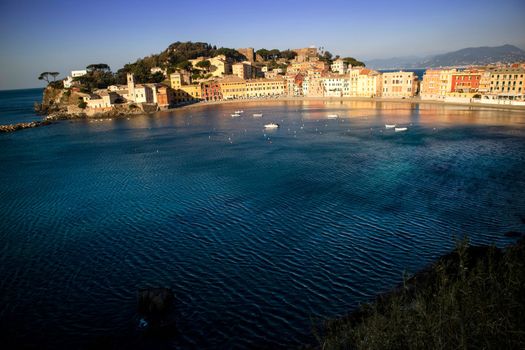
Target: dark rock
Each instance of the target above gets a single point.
(155, 311)
(514, 234)
(154, 301)
(20, 126)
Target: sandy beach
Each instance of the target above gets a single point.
(376, 100)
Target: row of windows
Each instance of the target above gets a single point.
(503, 89)
(510, 76)
(396, 81)
(468, 77)
(503, 83)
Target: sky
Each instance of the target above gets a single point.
(53, 35)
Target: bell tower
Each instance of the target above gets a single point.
(131, 87)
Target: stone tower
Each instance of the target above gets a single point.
(131, 87)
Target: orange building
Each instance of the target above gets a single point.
(430, 84)
(165, 97)
(466, 81)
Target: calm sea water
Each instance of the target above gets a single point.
(259, 233)
(16, 106)
(418, 72)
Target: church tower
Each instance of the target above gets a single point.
(131, 87)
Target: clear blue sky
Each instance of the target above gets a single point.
(54, 35)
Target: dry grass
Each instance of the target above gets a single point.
(472, 298)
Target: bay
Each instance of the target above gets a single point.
(260, 233)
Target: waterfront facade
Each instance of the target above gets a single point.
(265, 88)
(399, 84)
(233, 87)
(430, 86)
(508, 82)
(466, 81)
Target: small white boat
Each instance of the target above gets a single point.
(332, 116)
(271, 126)
(234, 115)
(390, 126)
(239, 112)
(257, 115)
(400, 129)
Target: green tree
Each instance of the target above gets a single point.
(184, 65)
(44, 76)
(265, 54)
(204, 65)
(54, 75)
(157, 77)
(288, 54)
(353, 62)
(98, 67)
(231, 54)
(327, 57)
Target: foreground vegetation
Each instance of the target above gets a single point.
(472, 298)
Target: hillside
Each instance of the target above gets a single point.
(464, 57)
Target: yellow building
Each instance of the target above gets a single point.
(484, 82)
(242, 69)
(187, 93)
(232, 87)
(369, 83)
(362, 82)
(508, 82)
(445, 82)
(175, 80)
(220, 66)
(265, 87)
(399, 84)
(195, 91)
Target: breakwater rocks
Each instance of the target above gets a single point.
(20, 126)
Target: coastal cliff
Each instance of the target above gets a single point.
(54, 99)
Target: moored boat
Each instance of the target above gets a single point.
(257, 115)
(271, 126)
(234, 115)
(332, 116)
(400, 129)
(390, 126)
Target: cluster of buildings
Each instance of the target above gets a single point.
(309, 76)
(497, 84)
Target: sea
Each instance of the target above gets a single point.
(418, 72)
(261, 234)
(17, 106)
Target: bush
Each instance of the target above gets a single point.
(472, 298)
(82, 104)
(59, 84)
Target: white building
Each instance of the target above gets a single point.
(68, 82)
(339, 66)
(101, 99)
(334, 85)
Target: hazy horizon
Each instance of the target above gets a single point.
(62, 36)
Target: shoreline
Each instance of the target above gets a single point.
(54, 117)
(416, 100)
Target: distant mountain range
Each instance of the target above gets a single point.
(464, 57)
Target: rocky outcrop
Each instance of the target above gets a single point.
(20, 126)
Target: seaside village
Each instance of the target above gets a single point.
(307, 75)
